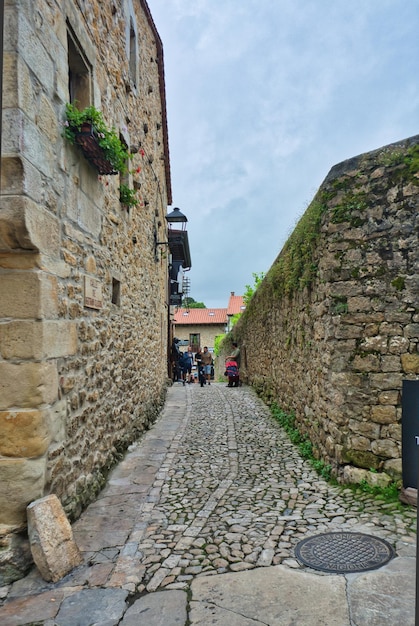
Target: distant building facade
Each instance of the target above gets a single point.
(235, 307)
(201, 326)
(84, 287)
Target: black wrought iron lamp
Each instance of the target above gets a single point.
(177, 217)
(174, 217)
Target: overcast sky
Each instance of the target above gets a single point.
(263, 98)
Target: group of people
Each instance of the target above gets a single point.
(183, 363)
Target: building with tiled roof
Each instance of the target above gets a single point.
(199, 327)
(235, 305)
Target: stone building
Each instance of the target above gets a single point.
(332, 332)
(84, 303)
(199, 326)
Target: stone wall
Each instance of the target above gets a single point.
(80, 378)
(334, 328)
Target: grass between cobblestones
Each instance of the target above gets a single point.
(389, 494)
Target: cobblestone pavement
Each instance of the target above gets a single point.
(214, 487)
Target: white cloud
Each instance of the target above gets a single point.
(264, 97)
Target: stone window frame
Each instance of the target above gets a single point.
(116, 291)
(132, 47)
(196, 337)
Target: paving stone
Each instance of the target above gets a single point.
(164, 608)
(93, 606)
(273, 596)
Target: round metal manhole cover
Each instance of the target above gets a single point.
(343, 553)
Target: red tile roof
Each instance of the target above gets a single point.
(200, 316)
(235, 305)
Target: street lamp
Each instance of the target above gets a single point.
(176, 217)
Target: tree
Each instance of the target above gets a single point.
(190, 303)
(249, 289)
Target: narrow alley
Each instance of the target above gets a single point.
(199, 522)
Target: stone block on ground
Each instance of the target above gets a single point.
(51, 539)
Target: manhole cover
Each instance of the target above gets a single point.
(343, 553)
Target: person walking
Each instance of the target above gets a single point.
(207, 362)
(198, 357)
(183, 366)
(175, 358)
(189, 363)
(199, 366)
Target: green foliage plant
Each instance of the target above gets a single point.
(389, 494)
(114, 150)
(235, 318)
(340, 305)
(250, 289)
(217, 344)
(295, 268)
(350, 203)
(399, 283)
(127, 196)
(411, 161)
(391, 158)
(305, 447)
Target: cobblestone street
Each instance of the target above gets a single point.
(214, 487)
(239, 496)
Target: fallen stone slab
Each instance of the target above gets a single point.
(93, 606)
(272, 596)
(163, 608)
(53, 548)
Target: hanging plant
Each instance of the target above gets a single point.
(127, 196)
(101, 145)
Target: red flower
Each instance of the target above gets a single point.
(138, 170)
(142, 152)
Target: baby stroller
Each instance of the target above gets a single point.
(232, 373)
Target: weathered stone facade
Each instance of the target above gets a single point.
(334, 328)
(83, 289)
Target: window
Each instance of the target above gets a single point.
(116, 292)
(133, 53)
(79, 72)
(194, 341)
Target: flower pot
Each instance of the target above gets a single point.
(88, 141)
